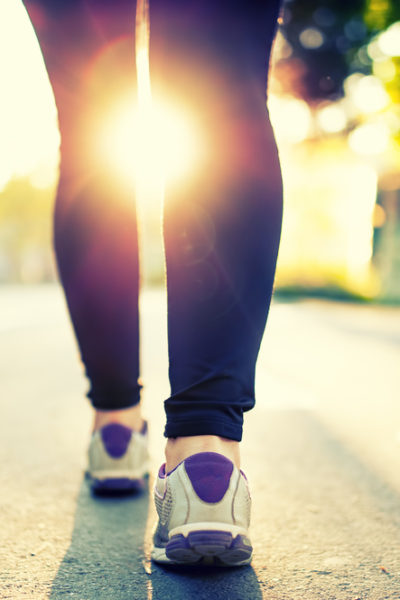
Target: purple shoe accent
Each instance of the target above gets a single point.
(242, 543)
(246, 482)
(201, 547)
(116, 438)
(177, 542)
(210, 474)
(161, 473)
(214, 539)
(175, 468)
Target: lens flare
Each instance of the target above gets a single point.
(151, 143)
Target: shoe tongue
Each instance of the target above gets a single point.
(116, 438)
(210, 474)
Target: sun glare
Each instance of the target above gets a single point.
(151, 143)
(148, 142)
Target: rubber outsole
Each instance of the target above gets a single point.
(209, 548)
(115, 484)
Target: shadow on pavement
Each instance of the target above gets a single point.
(105, 558)
(201, 584)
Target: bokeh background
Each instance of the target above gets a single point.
(334, 100)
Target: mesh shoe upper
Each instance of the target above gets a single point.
(205, 493)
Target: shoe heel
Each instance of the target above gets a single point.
(210, 547)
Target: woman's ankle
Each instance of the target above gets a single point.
(180, 448)
(131, 417)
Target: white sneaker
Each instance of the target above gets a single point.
(118, 458)
(203, 507)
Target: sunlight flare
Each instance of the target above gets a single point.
(150, 142)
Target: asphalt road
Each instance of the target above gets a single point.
(321, 450)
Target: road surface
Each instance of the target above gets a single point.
(321, 450)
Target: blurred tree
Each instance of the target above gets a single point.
(25, 232)
(379, 14)
(324, 36)
(326, 41)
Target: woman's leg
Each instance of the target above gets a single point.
(222, 226)
(88, 46)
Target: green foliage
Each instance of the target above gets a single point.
(379, 14)
(25, 232)
(393, 86)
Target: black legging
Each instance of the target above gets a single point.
(221, 228)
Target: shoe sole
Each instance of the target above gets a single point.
(207, 548)
(116, 483)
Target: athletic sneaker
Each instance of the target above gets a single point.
(118, 458)
(203, 507)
